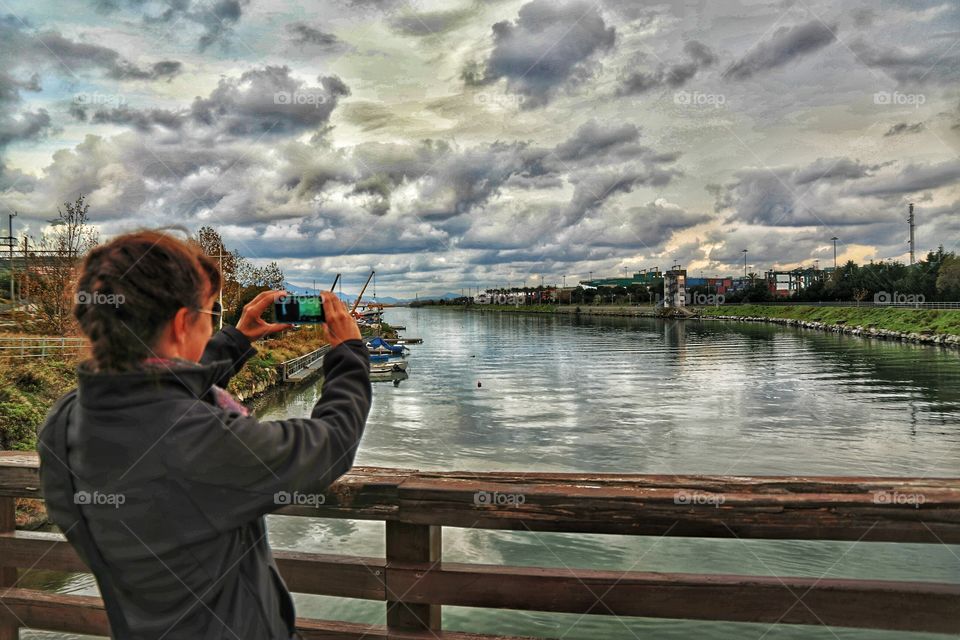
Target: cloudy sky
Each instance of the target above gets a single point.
(486, 142)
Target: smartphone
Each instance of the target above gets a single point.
(299, 309)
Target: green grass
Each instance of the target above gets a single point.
(939, 321)
(28, 389)
(526, 308)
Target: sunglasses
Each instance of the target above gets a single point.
(214, 313)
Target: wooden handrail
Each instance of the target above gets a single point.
(415, 583)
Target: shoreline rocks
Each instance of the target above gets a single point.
(941, 339)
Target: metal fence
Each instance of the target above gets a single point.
(290, 368)
(27, 347)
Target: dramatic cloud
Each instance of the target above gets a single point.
(548, 46)
(839, 192)
(902, 128)
(305, 35)
(419, 140)
(268, 101)
(700, 57)
(927, 65)
(261, 102)
(430, 23)
(27, 47)
(215, 18)
(785, 45)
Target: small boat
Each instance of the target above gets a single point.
(380, 346)
(393, 341)
(388, 367)
(391, 376)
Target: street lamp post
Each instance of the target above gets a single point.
(834, 238)
(10, 218)
(744, 264)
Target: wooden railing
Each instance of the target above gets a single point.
(414, 582)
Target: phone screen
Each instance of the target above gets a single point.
(299, 309)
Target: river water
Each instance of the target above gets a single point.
(493, 391)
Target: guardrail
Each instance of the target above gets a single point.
(414, 582)
(290, 369)
(39, 347)
(854, 304)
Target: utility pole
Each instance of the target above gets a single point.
(744, 264)
(910, 220)
(834, 238)
(25, 284)
(220, 297)
(13, 215)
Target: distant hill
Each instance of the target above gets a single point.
(294, 288)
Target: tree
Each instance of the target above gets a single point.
(948, 280)
(62, 247)
(231, 264)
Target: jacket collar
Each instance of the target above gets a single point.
(104, 389)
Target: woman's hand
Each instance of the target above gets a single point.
(252, 325)
(339, 325)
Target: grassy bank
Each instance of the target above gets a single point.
(30, 386)
(932, 321)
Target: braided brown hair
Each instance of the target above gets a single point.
(130, 287)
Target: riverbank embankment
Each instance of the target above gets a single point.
(920, 326)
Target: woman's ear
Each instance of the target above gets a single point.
(180, 325)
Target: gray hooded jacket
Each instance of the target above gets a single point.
(166, 491)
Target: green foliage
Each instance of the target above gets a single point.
(937, 321)
(948, 278)
(27, 391)
(923, 278)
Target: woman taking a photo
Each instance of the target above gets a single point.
(157, 476)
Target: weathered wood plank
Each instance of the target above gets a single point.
(8, 570)
(320, 574)
(85, 614)
(905, 510)
(913, 606)
(408, 543)
(788, 507)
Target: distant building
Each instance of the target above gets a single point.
(719, 286)
(645, 277)
(675, 288)
(784, 284)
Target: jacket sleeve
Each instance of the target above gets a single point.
(228, 349)
(235, 468)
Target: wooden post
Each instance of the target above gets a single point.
(419, 545)
(9, 627)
